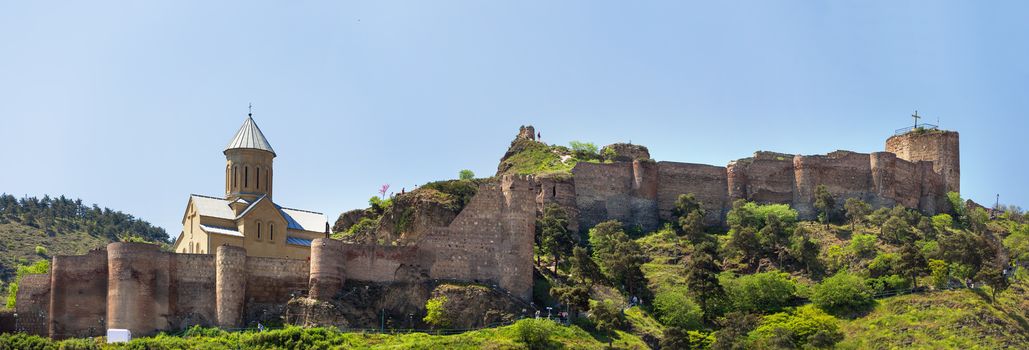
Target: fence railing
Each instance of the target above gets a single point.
(920, 126)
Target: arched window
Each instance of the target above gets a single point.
(271, 231)
(246, 177)
(258, 230)
(267, 178)
(257, 178)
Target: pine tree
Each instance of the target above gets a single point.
(824, 204)
(555, 237)
(912, 262)
(702, 280)
(856, 210)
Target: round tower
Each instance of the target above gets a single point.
(248, 166)
(937, 146)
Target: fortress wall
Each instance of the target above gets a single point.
(272, 280)
(845, 174)
(560, 191)
(491, 240)
(138, 288)
(78, 300)
(230, 285)
(326, 268)
(192, 290)
(375, 263)
(707, 183)
(32, 304)
(940, 147)
(606, 192)
(767, 177)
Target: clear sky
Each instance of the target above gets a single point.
(130, 104)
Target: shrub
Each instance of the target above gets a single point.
(675, 309)
(78, 344)
(862, 245)
(939, 273)
(41, 250)
(23, 341)
(889, 283)
(804, 327)
(436, 313)
(40, 267)
(465, 174)
(535, 333)
(750, 214)
(842, 294)
(762, 292)
(606, 315)
(883, 264)
(584, 150)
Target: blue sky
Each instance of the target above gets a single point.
(130, 104)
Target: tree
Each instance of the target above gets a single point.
(675, 309)
(774, 239)
(761, 292)
(842, 294)
(535, 333)
(896, 230)
(692, 226)
(802, 328)
(856, 210)
(702, 280)
(436, 313)
(575, 297)
(618, 256)
(686, 204)
(465, 174)
(584, 150)
(912, 263)
(733, 332)
(992, 271)
(744, 242)
(675, 338)
(555, 238)
(607, 316)
(939, 273)
(584, 268)
(825, 205)
(804, 250)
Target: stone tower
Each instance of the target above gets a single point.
(937, 146)
(248, 168)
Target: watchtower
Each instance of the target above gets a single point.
(927, 142)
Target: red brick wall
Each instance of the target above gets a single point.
(78, 301)
(32, 304)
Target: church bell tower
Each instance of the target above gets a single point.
(248, 166)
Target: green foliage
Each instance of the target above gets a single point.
(554, 236)
(702, 280)
(803, 327)
(535, 333)
(40, 267)
(857, 210)
(461, 191)
(896, 230)
(619, 257)
(1017, 242)
(889, 283)
(41, 250)
(675, 309)
(912, 263)
(583, 267)
(842, 294)
(939, 273)
(883, 265)
(750, 214)
(24, 341)
(862, 245)
(957, 207)
(686, 204)
(584, 150)
(942, 222)
(528, 157)
(436, 313)
(576, 297)
(465, 174)
(837, 258)
(606, 316)
(379, 205)
(825, 205)
(761, 292)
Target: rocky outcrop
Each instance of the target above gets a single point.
(349, 218)
(413, 213)
(624, 152)
(474, 306)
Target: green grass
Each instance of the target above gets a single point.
(531, 157)
(667, 253)
(561, 337)
(960, 319)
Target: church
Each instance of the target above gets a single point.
(246, 216)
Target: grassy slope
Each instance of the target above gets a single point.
(18, 245)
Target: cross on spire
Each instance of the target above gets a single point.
(250, 110)
(916, 116)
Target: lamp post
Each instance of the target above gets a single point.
(548, 312)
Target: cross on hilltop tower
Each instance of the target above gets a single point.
(916, 118)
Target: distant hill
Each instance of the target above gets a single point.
(32, 229)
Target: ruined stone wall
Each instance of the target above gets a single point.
(273, 280)
(559, 190)
(78, 299)
(707, 183)
(937, 146)
(383, 264)
(612, 191)
(767, 177)
(845, 174)
(491, 240)
(32, 304)
(190, 297)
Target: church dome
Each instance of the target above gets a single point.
(250, 136)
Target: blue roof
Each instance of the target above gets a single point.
(298, 241)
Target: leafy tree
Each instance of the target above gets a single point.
(802, 328)
(750, 214)
(436, 313)
(884, 264)
(584, 150)
(912, 263)
(535, 333)
(992, 271)
(607, 316)
(878, 217)
(842, 294)
(743, 241)
(575, 297)
(957, 207)
(675, 338)
(555, 238)
(692, 226)
(686, 204)
(466, 174)
(856, 210)
(604, 237)
(942, 222)
(977, 220)
(825, 205)
(618, 256)
(734, 327)
(702, 280)
(761, 292)
(773, 239)
(584, 268)
(675, 309)
(939, 273)
(804, 250)
(896, 230)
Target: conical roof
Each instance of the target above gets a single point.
(250, 136)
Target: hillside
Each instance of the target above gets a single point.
(33, 229)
